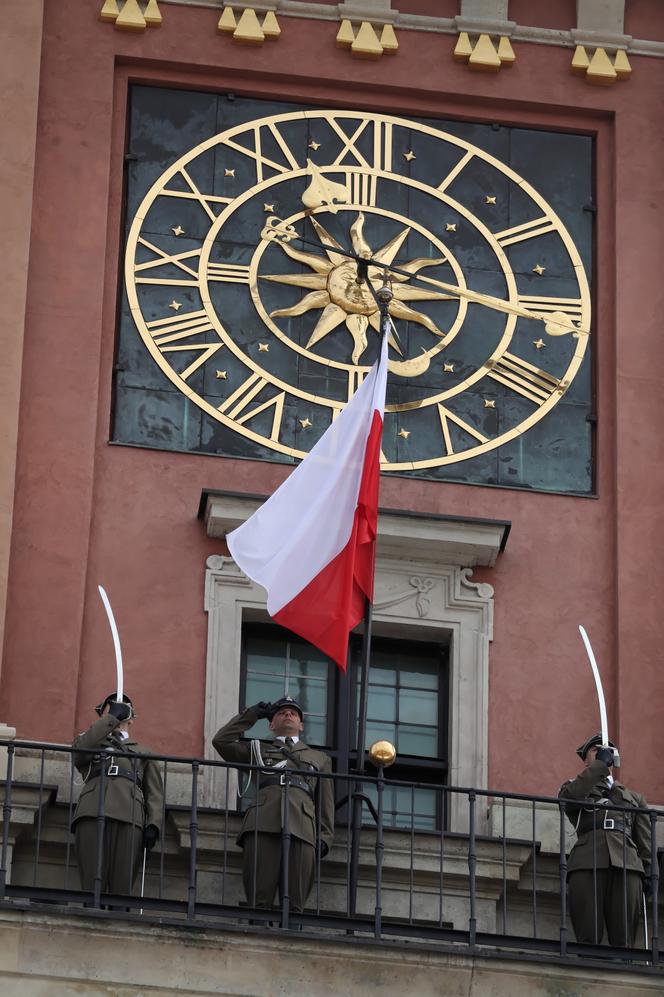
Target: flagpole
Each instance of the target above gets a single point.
(383, 297)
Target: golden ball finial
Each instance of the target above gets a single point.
(382, 753)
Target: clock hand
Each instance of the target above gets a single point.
(555, 323)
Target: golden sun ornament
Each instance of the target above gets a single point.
(334, 287)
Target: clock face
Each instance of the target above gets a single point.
(239, 285)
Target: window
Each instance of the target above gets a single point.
(407, 705)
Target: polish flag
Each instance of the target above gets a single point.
(312, 544)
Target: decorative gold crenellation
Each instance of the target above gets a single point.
(580, 61)
(345, 35)
(270, 26)
(484, 54)
(364, 41)
(366, 44)
(110, 11)
(152, 14)
(601, 71)
(246, 27)
(249, 30)
(484, 58)
(506, 53)
(621, 65)
(388, 40)
(131, 17)
(463, 48)
(227, 21)
(598, 68)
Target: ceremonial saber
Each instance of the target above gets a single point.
(116, 642)
(598, 685)
(604, 726)
(145, 855)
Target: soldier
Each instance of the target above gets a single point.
(133, 799)
(261, 832)
(611, 855)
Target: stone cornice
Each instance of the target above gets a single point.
(359, 9)
(459, 541)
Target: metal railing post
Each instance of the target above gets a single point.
(563, 883)
(654, 879)
(534, 843)
(380, 850)
(6, 817)
(472, 868)
(193, 842)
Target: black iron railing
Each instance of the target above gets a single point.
(469, 884)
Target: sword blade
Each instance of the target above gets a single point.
(598, 685)
(116, 643)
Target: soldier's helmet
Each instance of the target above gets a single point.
(592, 742)
(112, 698)
(283, 702)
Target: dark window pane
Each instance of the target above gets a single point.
(380, 732)
(382, 704)
(263, 687)
(311, 697)
(422, 741)
(418, 707)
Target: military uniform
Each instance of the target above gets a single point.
(261, 832)
(133, 800)
(611, 855)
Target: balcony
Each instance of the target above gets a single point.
(489, 901)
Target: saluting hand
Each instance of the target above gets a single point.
(605, 755)
(262, 710)
(121, 711)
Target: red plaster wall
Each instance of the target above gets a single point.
(643, 19)
(90, 512)
(560, 14)
(429, 8)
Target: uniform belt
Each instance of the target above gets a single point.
(604, 824)
(115, 772)
(280, 780)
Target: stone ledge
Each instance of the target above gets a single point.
(458, 541)
(40, 951)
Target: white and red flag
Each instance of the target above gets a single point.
(312, 545)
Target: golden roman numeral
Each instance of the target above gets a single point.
(446, 416)
(381, 155)
(261, 160)
(167, 259)
(236, 403)
(175, 329)
(362, 188)
(527, 230)
(230, 273)
(455, 171)
(355, 378)
(520, 376)
(571, 307)
(194, 194)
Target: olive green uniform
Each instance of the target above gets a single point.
(133, 798)
(611, 855)
(261, 832)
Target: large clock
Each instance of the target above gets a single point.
(240, 288)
